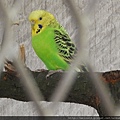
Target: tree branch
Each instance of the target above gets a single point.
(82, 92)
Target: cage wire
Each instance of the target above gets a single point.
(80, 24)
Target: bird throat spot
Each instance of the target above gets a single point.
(39, 28)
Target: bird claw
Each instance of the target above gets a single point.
(51, 72)
(41, 70)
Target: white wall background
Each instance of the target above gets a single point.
(103, 39)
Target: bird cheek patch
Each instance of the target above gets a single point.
(40, 26)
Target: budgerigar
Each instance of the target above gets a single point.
(50, 41)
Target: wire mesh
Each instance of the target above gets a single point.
(65, 85)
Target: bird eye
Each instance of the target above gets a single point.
(40, 18)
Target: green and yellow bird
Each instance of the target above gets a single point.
(50, 41)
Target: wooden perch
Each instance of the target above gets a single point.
(82, 92)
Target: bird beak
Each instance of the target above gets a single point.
(32, 22)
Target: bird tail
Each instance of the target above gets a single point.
(81, 68)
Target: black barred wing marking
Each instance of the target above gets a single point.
(66, 48)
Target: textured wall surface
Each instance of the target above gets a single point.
(104, 36)
(17, 108)
(103, 33)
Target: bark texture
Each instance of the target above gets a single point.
(82, 92)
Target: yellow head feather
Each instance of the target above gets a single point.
(39, 20)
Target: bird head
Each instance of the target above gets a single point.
(39, 20)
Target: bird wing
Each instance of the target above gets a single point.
(66, 48)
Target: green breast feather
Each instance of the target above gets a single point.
(54, 48)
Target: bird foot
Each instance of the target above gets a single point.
(41, 70)
(51, 72)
